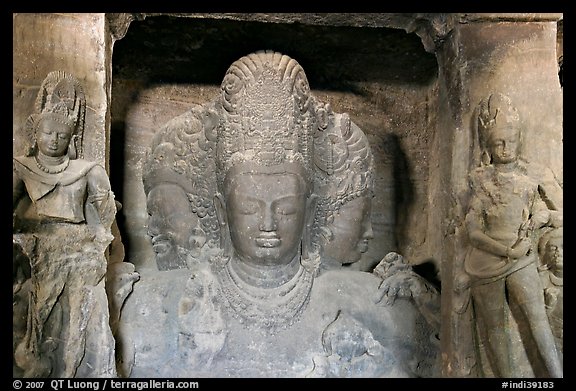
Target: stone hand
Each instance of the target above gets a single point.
(520, 248)
(396, 286)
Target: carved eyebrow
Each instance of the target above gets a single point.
(285, 199)
(288, 198)
(252, 199)
(52, 131)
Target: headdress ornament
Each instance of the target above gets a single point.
(268, 114)
(61, 98)
(496, 109)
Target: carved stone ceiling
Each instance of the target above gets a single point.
(169, 49)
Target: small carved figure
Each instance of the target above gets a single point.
(505, 211)
(551, 250)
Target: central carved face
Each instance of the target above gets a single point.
(351, 229)
(53, 137)
(504, 144)
(266, 214)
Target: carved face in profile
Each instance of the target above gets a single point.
(170, 223)
(265, 213)
(504, 144)
(351, 230)
(53, 137)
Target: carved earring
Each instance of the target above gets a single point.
(225, 239)
(311, 204)
(310, 253)
(72, 150)
(485, 158)
(32, 149)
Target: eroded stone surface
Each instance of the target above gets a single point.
(417, 110)
(506, 213)
(64, 208)
(250, 289)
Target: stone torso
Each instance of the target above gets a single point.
(506, 200)
(385, 338)
(58, 197)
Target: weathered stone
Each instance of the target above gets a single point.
(64, 208)
(411, 82)
(506, 211)
(268, 154)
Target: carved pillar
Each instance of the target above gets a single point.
(515, 54)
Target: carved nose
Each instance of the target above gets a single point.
(267, 221)
(153, 225)
(368, 233)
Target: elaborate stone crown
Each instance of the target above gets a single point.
(345, 162)
(268, 113)
(496, 109)
(61, 98)
(59, 113)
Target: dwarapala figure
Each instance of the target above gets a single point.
(63, 210)
(506, 211)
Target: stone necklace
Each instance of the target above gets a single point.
(52, 170)
(269, 309)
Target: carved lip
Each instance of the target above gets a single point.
(363, 246)
(161, 243)
(161, 248)
(159, 238)
(268, 242)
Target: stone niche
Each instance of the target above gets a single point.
(411, 82)
(382, 77)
